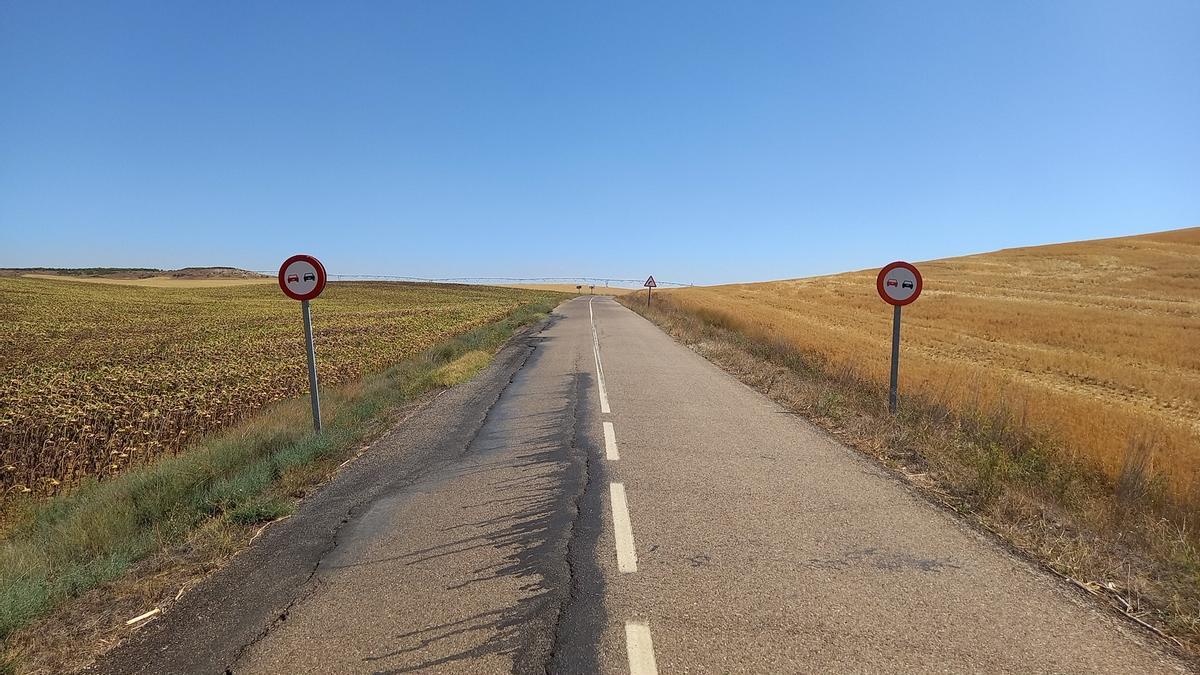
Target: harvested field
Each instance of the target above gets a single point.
(95, 378)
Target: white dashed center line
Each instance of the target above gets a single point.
(623, 530)
(599, 366)
(638, 644)
(610, 442)
(640, 648)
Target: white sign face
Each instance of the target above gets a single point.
(301, 277)
(900, 284)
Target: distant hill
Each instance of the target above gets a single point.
(216, 272)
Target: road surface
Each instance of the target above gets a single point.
(602, 499)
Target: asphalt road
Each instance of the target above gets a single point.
(601, 499)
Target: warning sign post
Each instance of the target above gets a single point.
(650, 283)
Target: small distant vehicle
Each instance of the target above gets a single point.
(891, 282)
(906, 284)
(309, 276)
(293, 279)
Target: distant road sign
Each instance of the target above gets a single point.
(899, 283)
(651, 283)
(302, 277)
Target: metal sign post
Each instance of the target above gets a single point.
(312, 366)
(650, 283)
(898, 284)
(893, 389)
(302, 277)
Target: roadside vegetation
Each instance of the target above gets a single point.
(96, 379)
(186, 512)
(1050, 394)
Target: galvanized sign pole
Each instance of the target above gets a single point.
(898, 284)
(312, 366)
(893, 389)
(302, 277)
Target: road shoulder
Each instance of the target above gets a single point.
(207, 627)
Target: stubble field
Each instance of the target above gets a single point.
(95, 378)
(1095, 344)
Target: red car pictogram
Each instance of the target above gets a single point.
(293, 278)
(891, 282)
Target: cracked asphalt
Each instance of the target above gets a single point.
(478, 536)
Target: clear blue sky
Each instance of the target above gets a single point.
(696, 141)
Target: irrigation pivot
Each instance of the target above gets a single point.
(899, 284)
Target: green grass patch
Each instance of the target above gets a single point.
(463, 368)
(64, 546)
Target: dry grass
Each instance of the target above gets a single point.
(1093, 343)
(1115, 541)
(1057, 412)
(97, 378)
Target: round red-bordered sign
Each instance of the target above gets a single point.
(899, 283)
(302, 277)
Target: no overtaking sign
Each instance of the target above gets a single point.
(899, 284)
(302, 277)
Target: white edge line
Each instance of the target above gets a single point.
(640, 648)
(622, 529)
(599, 366)
(610, 442)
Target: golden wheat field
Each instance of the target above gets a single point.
(97, 377)
(1095, 343)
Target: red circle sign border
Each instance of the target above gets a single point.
(883, 274)
(320, 277)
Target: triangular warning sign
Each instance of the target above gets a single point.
(651, 283)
